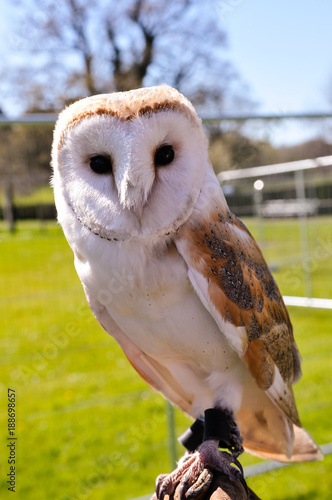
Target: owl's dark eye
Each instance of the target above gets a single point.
(101, 164)
(164, 156)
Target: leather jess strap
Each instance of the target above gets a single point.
(217, 424)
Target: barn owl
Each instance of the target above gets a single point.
(175, 277)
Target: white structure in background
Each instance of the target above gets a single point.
(290, 208)
(300, 207)
(278, 168)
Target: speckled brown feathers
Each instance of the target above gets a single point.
(244, 292)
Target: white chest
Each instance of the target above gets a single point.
(149, 296)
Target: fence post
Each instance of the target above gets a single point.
(304, 235)
(171, 434)
(258, 202)
(8, 208)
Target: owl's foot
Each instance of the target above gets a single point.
(195, 471)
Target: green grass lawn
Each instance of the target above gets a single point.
(40, 195)
(87, 426)
(43, 194)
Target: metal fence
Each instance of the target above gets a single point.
(300, 190)
(289, 189)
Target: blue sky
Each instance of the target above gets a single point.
(282, 50)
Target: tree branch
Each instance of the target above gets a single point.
(79, 23)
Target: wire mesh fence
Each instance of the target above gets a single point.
(298, 193)
(53, 353)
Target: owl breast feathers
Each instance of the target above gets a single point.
(169, 271)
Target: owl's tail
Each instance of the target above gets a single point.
(268, 433)
(304, 449)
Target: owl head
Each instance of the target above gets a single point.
(128, 164)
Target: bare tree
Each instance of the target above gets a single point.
(68, 49)
(84, 47)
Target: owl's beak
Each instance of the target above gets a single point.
(132, 194)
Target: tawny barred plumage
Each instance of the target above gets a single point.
(197, 311)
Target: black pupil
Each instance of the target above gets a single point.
(163, 156)
(101, 164)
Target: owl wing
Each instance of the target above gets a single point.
(155, 375)
(229, 274)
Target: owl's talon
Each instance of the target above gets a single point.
(200, 486)
(159, 481)
(167, 485)
(195, 472)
